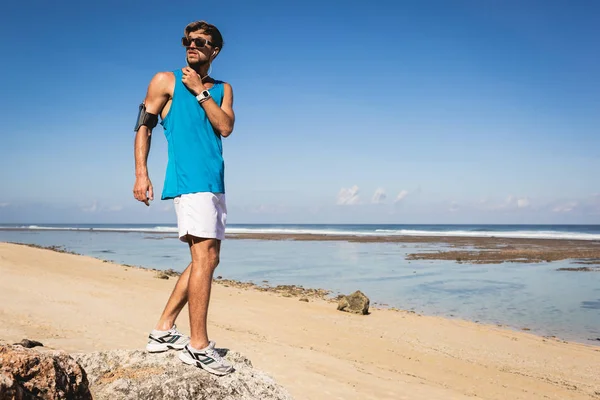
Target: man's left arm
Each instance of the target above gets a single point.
(221, 118)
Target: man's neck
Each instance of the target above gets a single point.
(201, 70)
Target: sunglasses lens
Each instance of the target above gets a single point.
(199, 42)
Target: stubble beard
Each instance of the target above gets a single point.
(196, 64)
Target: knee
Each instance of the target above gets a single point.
(205, 256)
(213, 259)
(209, 260)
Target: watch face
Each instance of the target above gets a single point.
(205, 93)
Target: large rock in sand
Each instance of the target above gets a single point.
(31, 374)
(126, 374)
(356, 303)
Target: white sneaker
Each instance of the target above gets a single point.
(164, 340)
(207, 358)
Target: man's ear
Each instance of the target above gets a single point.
(216, 52)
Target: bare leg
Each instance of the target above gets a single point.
(205, 258)
(176, 301)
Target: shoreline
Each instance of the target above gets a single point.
(289, 290)
(367, 236)
(476, 250)
(322, 294)
(80, 303)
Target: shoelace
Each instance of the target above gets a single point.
(174, 331)
(213, 353)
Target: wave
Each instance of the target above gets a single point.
(298, 231)
(501, 234)
(155, 229)
(475, 233)
(414, 232)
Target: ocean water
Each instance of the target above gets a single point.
(533, 296)
(579, 232)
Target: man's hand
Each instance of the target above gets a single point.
(142, 190)
(192, 81)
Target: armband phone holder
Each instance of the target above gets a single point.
(145, 118)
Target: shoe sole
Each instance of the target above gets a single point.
(160, 347)
(190, 361)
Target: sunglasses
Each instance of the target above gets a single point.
(199, 42)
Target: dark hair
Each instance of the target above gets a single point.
(208, 29)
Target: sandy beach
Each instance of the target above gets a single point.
(78, 303)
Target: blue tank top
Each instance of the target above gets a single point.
(195, 162)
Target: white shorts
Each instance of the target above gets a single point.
(202, 214)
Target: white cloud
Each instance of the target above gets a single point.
(261, 209)
(401, 196)
(566, 207)
(379, 196)
(115, 208)
(510, 203)
(348, 196)
(453, 207)
(92, 208)
(523, 203)
(4, 205)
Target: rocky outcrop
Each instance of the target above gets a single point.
(126, 374)
(42, 374)
(356, 303)
(31, 374)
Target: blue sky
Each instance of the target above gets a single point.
(462, 111)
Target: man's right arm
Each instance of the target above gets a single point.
(156, 98)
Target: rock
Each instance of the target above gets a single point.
(304, 299)
(28, 343)
(134, 374)
(161, 275)
(34, 374)
(357, 303)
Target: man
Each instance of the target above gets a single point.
(196, 112)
